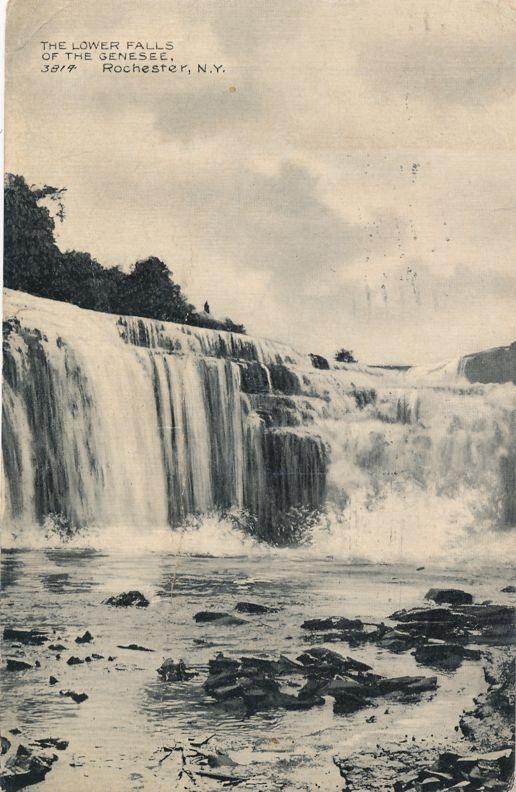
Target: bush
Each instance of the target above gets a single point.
(345, 356)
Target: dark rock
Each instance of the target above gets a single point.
(74, 661)
(419, 569)
(134, 647)
(220, 617)
(53, 742)
(31, 637)
(56, 647)
(171, 671)
(97, 656)
(15, 731)
(4, 745)
(37, 664)
(77, 697)
(332, 623)
(222, 664)
(324, 662)
(448, 656)
(509, 590)
(405, 684)
(25, 768)
(128, 599)
(449, 596)
(52, 680)
(253, 607)
(86, 638)
(347, 702)
(423, 615)
(318, 361)
(17, 665)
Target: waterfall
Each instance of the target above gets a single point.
(125, 422)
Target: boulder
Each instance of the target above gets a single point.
(25, 768)
(33, 637)
(318, 361)
(346, 702)
(423, 615)
(509, 590)
(447, 656)
(4, 745)
(77, 697)
(220, 617)
(449, 596)
(170, 671)
(332, 623)
(86, 638)
(16, 665)
(56, 647)
(52, 680)
(134, 647)
(53, 742)
(128, 599)
(74, 661)
(253, 608)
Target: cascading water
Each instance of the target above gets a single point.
(118, 422)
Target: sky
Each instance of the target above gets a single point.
(347, 179)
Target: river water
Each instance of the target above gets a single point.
(116, 735)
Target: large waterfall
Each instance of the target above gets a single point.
(123, 422)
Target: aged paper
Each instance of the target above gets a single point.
(259, 436)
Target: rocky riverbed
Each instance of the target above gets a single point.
(261, 676)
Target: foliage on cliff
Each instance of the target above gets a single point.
(34, 263)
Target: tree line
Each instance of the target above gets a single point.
(33, 263)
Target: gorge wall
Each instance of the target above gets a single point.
(120, 421)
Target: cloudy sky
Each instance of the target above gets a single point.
(347, 179)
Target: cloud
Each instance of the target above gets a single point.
(473, 73)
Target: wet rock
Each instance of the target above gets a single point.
(449, 596)
(4, 745)
(16, 665)
(493, 712)
(86, 638)
(332, 623)
(77, 697)
(74, 661)
(25, 768)
(32, 637)
(170, 671)
(52, 680)
(133, 647)
(324, 662)
(509, 590)
(347, 702)
(221, 617)
(423, 615)
(220, 664)
(253, 607)
(128, 599)
(53, 742)
(447, 656)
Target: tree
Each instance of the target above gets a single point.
(345, 356)
(150, 291)
(31, 255)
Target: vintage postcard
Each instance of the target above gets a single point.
(259, 405)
